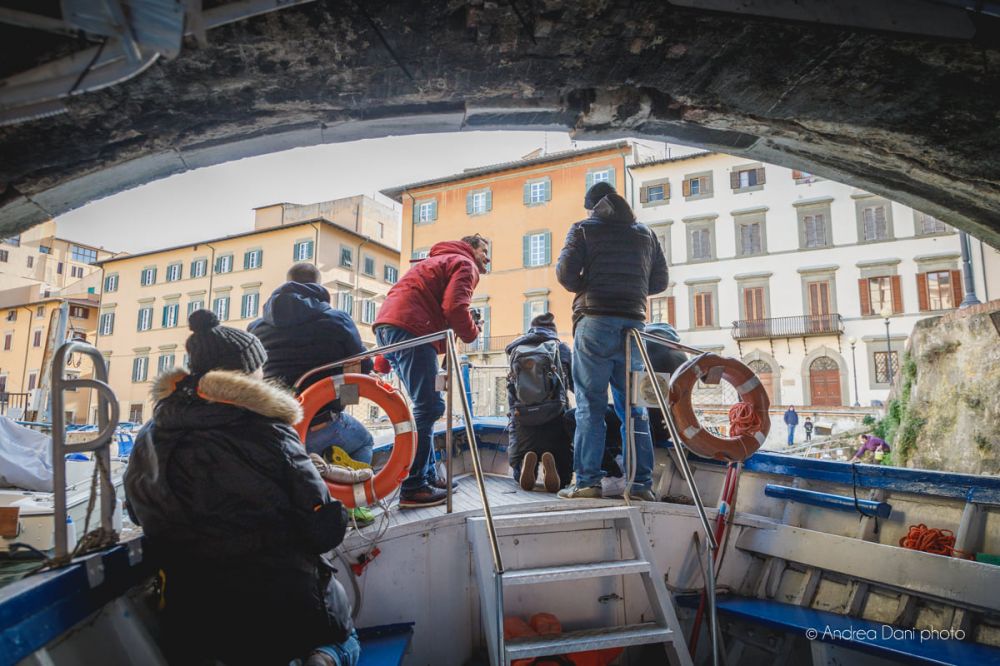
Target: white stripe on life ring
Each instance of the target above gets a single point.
(759, 436)
(691, 431)
(360, 499)
(403, 427)
(748, 386)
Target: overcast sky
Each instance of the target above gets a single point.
(218, 200)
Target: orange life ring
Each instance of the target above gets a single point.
(710, 368)
(397, 468)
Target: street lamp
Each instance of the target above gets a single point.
(886, 313)
(854, 364)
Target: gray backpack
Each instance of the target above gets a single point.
(539, 386)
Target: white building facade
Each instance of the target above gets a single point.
(797, 275)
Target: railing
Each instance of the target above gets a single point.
(788, 327)
(10, 401)
(487, 344)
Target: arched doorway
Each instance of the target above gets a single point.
(824, 382)
(766, 376)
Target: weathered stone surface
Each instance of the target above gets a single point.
(913, 118)
(954, 405)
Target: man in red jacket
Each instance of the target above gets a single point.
(433, 296)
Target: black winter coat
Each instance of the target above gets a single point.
(238, 518)
(301, 330)
(612, 263)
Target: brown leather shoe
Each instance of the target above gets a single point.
(550, 475)
(529, 471)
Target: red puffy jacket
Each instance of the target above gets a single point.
(435, 294)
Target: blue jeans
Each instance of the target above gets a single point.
(599, 360)
(791, 435)
(345, 431)
(417, 367)
(347, 653)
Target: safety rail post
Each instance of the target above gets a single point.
(449, 425)
(682, 462)
(107, 420)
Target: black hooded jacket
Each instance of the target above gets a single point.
(238, 518)
(611, 262)
(301, 330)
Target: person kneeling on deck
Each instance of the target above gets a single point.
(612, 263)
(300, 330)
(431, 297)
(541, 368)
(236, 513)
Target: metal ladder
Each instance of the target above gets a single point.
(666, 628)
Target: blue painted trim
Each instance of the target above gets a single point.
(385, 645)
(38, 609)
(827, 500)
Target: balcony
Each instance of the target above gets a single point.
(788, 327)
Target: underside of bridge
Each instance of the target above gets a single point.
(899, 112)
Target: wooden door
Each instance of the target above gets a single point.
(763, 371)
(824, 382)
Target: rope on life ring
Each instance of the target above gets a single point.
(750, 423)
(397, 468)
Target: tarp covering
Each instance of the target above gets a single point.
(25, 457)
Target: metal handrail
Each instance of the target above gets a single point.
(682, 462)
(107, 420)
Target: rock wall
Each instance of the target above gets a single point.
(951, 419)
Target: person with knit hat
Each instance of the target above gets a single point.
(613, 264)
(236, 514)
(547, 443)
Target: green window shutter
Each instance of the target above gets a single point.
(246, 260)
(489, 199)
(153, 281)
(486, 321)
(546, 305)
(260, 258)
(548, 189)
(415, 213)
(434, 210)
(590, 180)
(527, 315)
(548, 248)
(468, 203)
(611, 175)
(527, 193)
(526, 249)
(164, 322)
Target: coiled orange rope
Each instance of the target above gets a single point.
(743, 419)
(931, 540)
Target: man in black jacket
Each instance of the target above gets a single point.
(549, 443)
(612, 263)
(236, 514)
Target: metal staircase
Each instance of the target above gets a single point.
(665, 629)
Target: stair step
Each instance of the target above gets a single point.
(574, 572)
(588, 639)
(557, 517)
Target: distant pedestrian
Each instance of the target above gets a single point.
(870, 444)
(791, 420)
(808, 427)
(613, 264)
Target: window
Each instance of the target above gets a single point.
(381, 230)
(78, 312)
(147, 277)
(253, 259)
(368, 267)
(39, 312)
(661, 310)
(171, 314)
(537, 249)
(12, 240)
(478, 202)
(4, 255)
(220, 306)
(36, 338)
(749, 238)
(164, 363)
(533, 308)
(111, 283)
(140, 369)
(145, 319)
(44, 249)
(875, 227)
(346, 257)
(704, 314)
(421, 254)
(8, 341)
(32, 380)
(537, 192)
(31, 261)
(878, 293)
(814, 230)
(926, 225)
(882, 361)
(697, 185)
(59, 268)
(76, 271)
(3, 384)
(606, 175)
(654, 193)
(753, 304)
(368, 310)
(939, 290)
(249, 305)
(746, 178)
(79, 335)
(802, 177)
(199, 268)
(425, 211)
(819, 298)
(662, 233)
(83, 255)
(303, 250)
(12, 315)
(174, 272)
(700, 244)
(195, 305)
(391, 274)
(135, 413)
(106, 324)
(224, 264)
(345, 302)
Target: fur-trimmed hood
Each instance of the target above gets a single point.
(227, 387)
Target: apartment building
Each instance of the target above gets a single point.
(146, 297)
(38, 256)
(815, 284)
(29, 318)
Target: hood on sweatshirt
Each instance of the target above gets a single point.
(295, 303)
